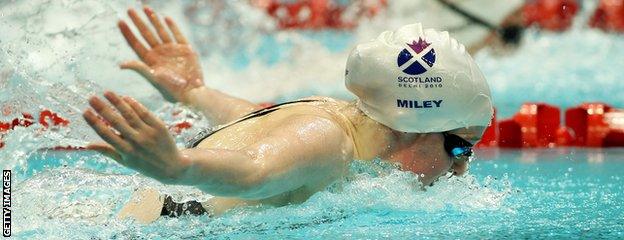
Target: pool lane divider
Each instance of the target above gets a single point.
(535, 125)
(318, 14)
(549, 15)
(48, 119)
(539, 125)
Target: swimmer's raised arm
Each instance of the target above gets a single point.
(171, 65)
(308, 151)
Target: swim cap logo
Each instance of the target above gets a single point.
(416, 67)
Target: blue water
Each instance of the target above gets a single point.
(56, 53)
(572, 193)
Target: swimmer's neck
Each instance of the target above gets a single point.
(370, 138)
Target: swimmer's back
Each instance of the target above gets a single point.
(249, 131)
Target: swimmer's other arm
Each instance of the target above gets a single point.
(219, 107)
(305, 152)
(172, 66)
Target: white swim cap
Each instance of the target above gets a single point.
(418, 81)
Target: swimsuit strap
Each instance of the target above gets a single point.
(203, 134)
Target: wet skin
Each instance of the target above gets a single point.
(281, 158)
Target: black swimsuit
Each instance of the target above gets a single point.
(173, 209)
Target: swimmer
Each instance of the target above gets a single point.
(475, 23)
(499, 25)
(284, 154)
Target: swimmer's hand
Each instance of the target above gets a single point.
(136, 138)
(168, 63)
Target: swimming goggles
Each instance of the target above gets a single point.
(457, 147)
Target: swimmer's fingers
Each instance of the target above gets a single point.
(145, 114)
(126, 111)
(134, 43)
(162, 32)
(143, 29)
(105, 149)
(177, 34)
(139, 67)
(119, 123)
(105, 132)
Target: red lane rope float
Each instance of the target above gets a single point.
(509, 134)
(179, 127)
(554, 15)
(539, 125)
(489, 136)
(46, 115)
(609, 16)
(588, 123)
(46, 119)
(317, 14)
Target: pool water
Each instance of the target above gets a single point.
(57, 53)
(571, 193)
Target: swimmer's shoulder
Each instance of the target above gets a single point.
(336, 111)
(323, 129)
(324, 99)
(331, 108)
